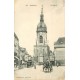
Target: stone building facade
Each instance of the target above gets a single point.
(16, 51)
(59, 51)
(16, 45)
(52, 57)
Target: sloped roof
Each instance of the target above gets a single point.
(16, 36)
(60, 40)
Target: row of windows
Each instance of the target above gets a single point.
(41, 39)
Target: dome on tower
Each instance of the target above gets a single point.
(41, 24)
(41, 27)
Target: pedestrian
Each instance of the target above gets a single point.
(57, 64)
(34, 65)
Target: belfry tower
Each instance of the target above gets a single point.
(41, 49)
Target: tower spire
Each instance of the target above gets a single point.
(41, 16)
(42, 10)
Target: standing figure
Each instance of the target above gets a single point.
(34, 65)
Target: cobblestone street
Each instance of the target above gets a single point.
(38, 74)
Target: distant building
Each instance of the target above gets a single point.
(26, 57)
(16, 45)
(41, 49)
(59, 51)
(23, 52)
(16, 51)
(29, 57)
(52, 57)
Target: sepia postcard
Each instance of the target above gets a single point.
(39, 40)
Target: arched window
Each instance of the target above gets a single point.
(41, 39)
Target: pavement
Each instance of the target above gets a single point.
(58, 73)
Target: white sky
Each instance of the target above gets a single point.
(28, 17)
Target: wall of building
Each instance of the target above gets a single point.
(59, 51)
(60, 55)
(16, 46)
(41, 53)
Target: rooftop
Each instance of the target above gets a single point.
(16, 36)
(60, 41)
